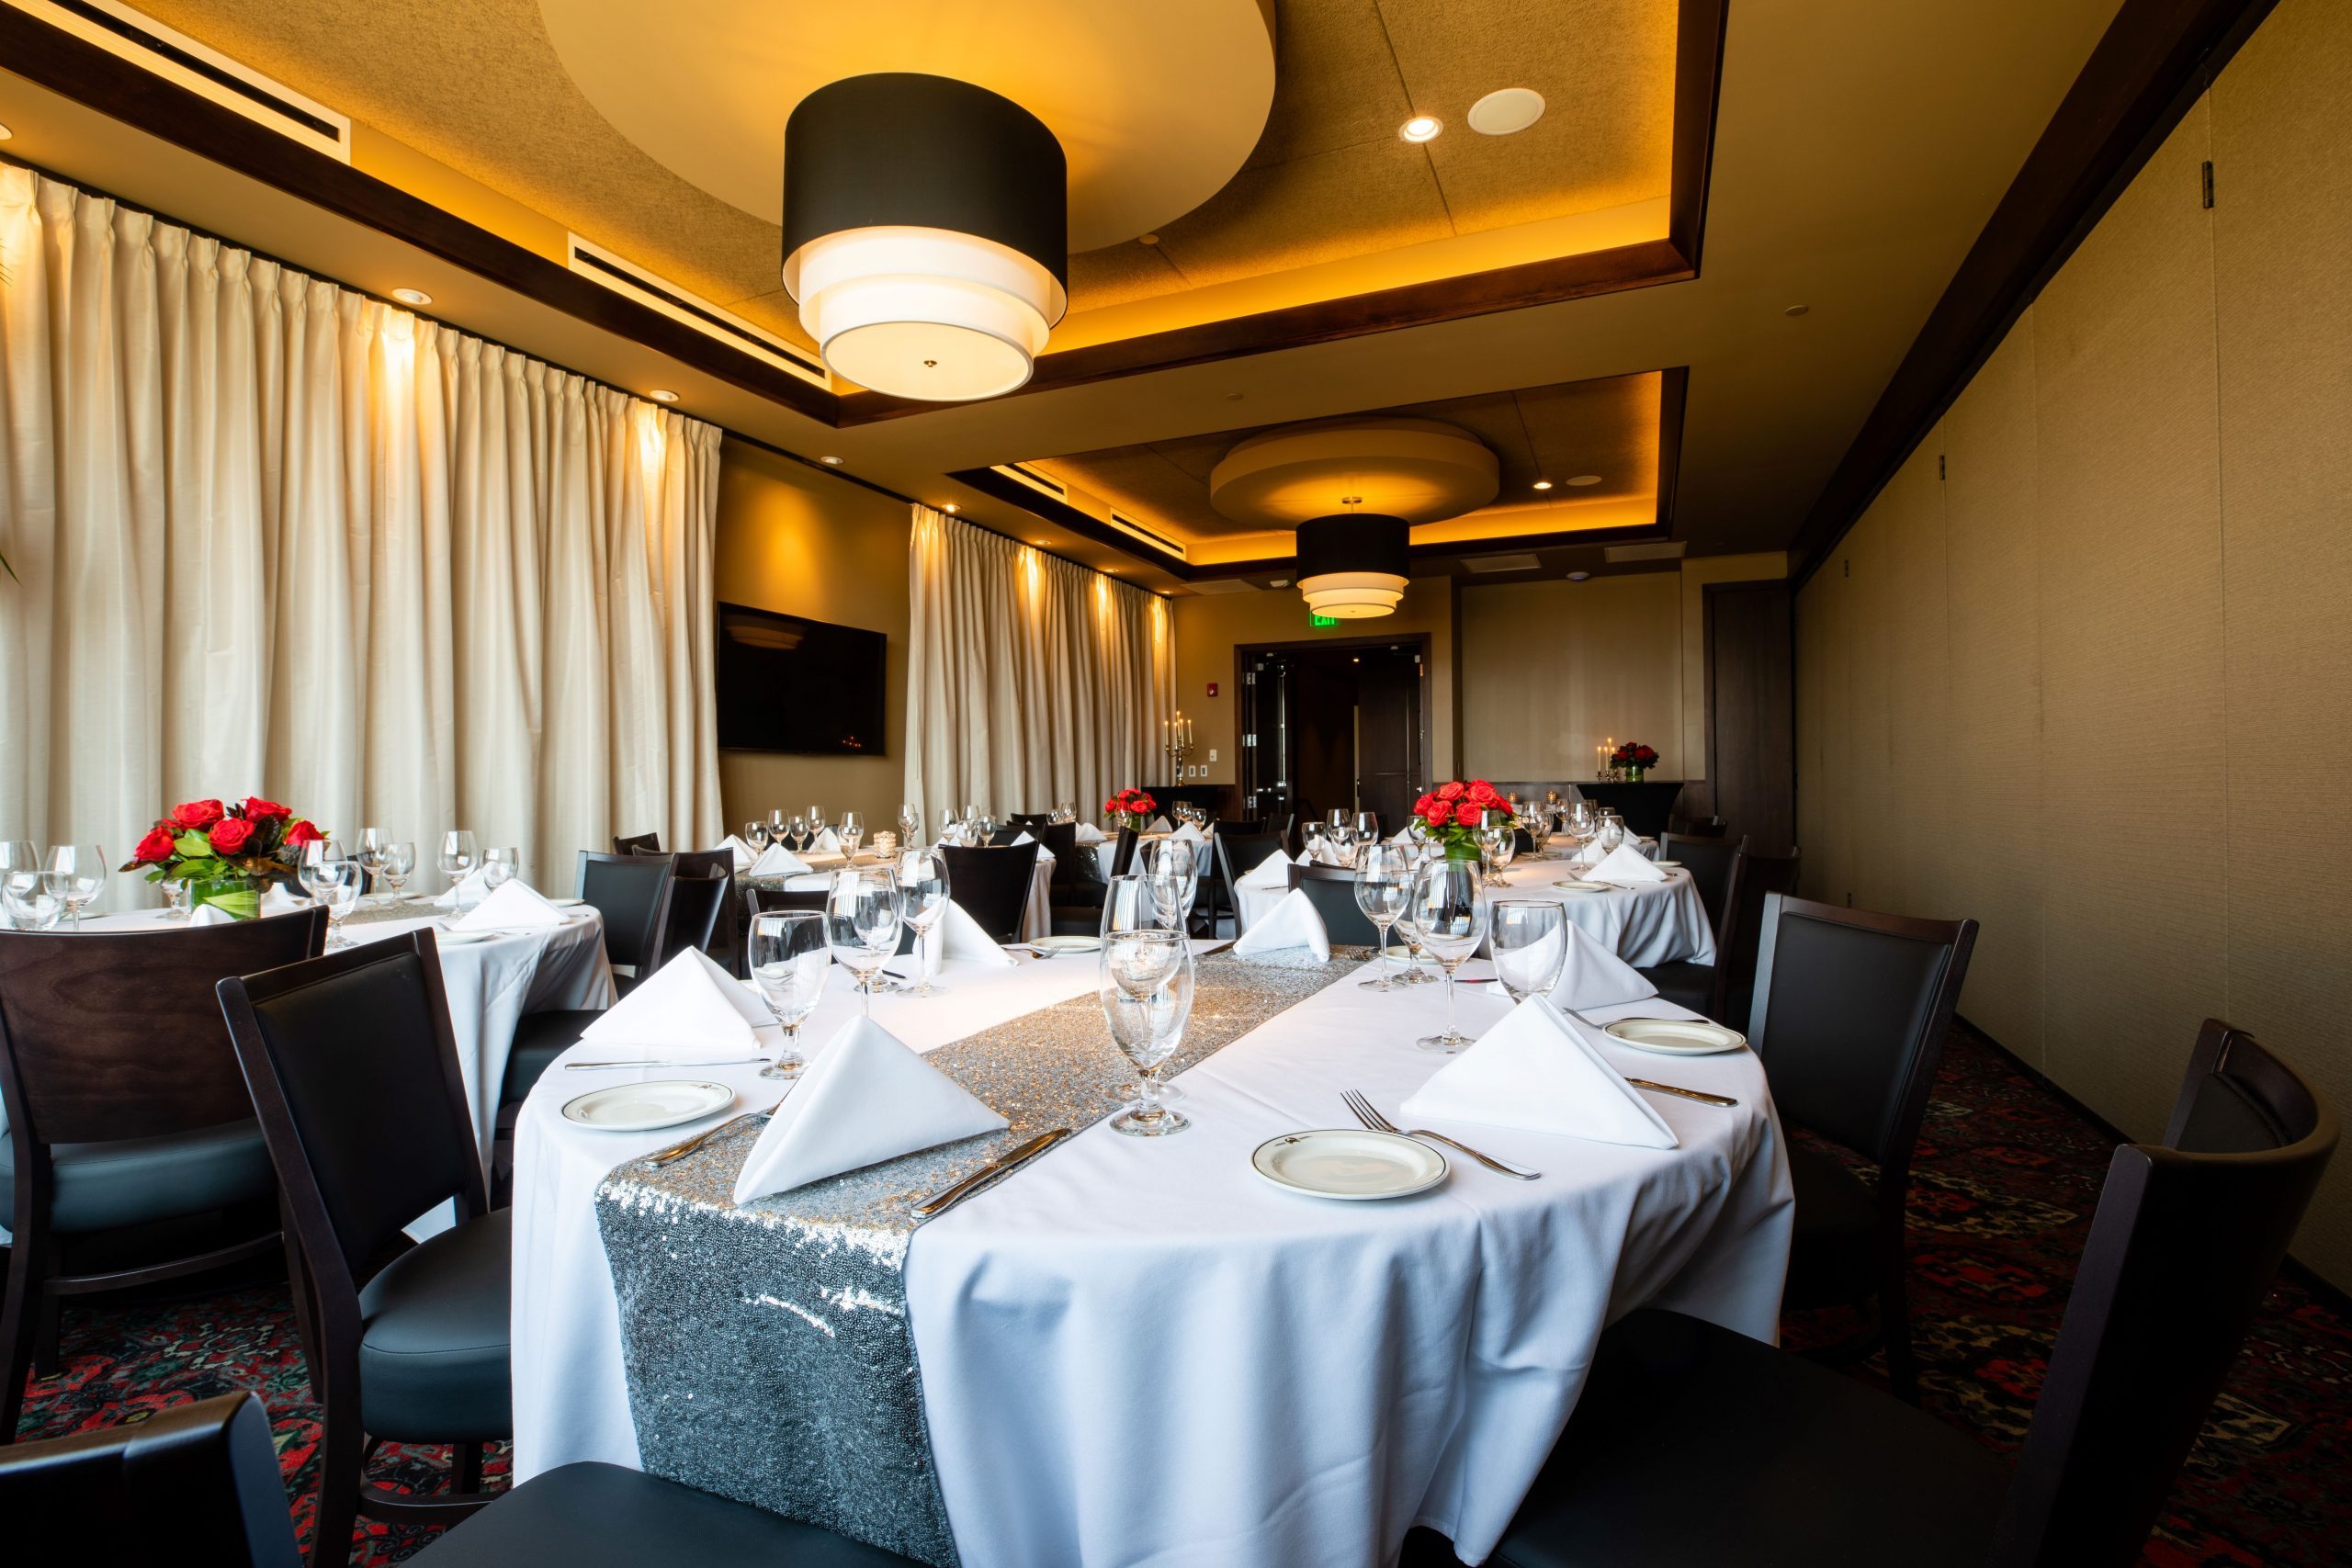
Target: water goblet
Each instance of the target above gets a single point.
(790, 963)
(1145, 983)
(1174, 873)
(778, 823)
(176, 898)
(27, 902)
(336, 886)
(1366, 825)
(499, 865)
(755, 833)
(370, 854)
(75, 874)
(399, 863)
(1529, 938)
(923, 904)
(910, 825)
(1451, 918)
(798, 827)
(853, 832)
(1384, 882)
(458, 855)
(1133, 903)
(316, 854)
(862, 915)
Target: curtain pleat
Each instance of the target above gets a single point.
(276, 538)
(1031, 681)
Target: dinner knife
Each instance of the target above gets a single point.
(1685, 1093)
(991, 1173)
(720, 1062)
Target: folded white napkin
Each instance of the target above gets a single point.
(956, 935)
(1625, 864)
(1329, 853)
(1088, 833)
(510, 906)
(1023, 839)
(468, 890)
(744, 853)
(1596, 977)
(1536, 1070)
(1159, 825)
(211, 915)
(865, 1099)
(1271, 871)
(1402, 835)
(826, 843)
(778, 860)
(1189, 834)
(689, 1002)
(1291, 924)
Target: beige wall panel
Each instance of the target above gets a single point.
(805, 543)
(1553, 668)
(2282, 229)
(1766, 567)
(2131, 536)
(1872, 613)
(1918, 846)
(1993, 806)
(1824, 724)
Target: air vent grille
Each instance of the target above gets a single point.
(1032, 477)
(625, 276)
(1125, 524)
(1662, 549)
(1501, 563)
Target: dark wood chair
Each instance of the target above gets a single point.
(1238, 854)
(1034, 819)
(1698, 826)
(1076, 886)
(992, 885)
(703, 908)
(1760, 876)
(1332, 890)
(1718, 868)
(632, 892)
(1799, 1465)
(1123, 853)
(354, 1069)
(758, 901)
(637, 845)
(206, 1476)
(1850, 1015)
(127, 1119)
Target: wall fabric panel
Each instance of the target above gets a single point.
(1557, 666)
(2112, 627)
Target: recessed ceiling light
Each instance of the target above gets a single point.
(1797, 310)
(1579, 576)
(830, 461)
(1542, 484)
(411, 297)
(1278, 583)
(1147, 239)
(1039, 543)
(663, 395)
(953, 507)
(6, 133)
(1421, 127)
(1586, 480)
(1500, 113)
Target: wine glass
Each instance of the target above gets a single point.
(20, 872)
(1496, 840)
(1609, 831)
(862, 916)
(1145, 983)
(923, 903)
(853, 833)
(176, 898)
(1384, 881)
(1174, 874)
(1539, 828)
(815, 815)
(400, 862)
(1313, 840)
(75, 874)
(1367, 826)
(458, 855)
(371, 854)
(755, 833)
(1066, 812)
(499, 865)
(910, 825)
(336, 885)
(317, 854)
(797, 826)
(1451, 920)
(1529, 938)
(27, 902)
(789, 963)
(779, 824)
(1133, 903)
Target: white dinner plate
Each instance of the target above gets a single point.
(1675, 1036)
(645, 1107)
(1348, 1163)
(1059, 944)
(1667, 864)
(567, 903)
(1576, 886)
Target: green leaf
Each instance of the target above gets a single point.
(193, 844)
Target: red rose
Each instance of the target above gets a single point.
(1438, 812)
(156, 847)
(302, 834)
(1421, 806)
(1484, 793)
(229, 835)
(1466, 814)
(1452, 791)
(260, 810)
(198, 815)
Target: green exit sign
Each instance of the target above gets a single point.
(1316, 620)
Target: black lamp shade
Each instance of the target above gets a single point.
(1354, 542)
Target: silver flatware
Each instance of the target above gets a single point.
(682, 1066)
(1700, 1096)
(1373, 1120)
(989, 1175)
(679, 1151)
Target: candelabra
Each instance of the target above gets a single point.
(1176, 740)
(1178, 751)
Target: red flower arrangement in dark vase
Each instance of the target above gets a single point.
(1132, 808)
(1635, 758)
(1451, 814)
(243, 847)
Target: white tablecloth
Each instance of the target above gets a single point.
(1037, 915)
(1136, 1350)
(1652, 923)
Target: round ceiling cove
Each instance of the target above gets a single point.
(1156, 106)
(1418, 469)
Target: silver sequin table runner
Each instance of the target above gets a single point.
(767, 1348)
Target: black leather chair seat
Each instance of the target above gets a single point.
(602, 1516)
(1694, 1446)
(1685, 984)
(539, 1039)
(1833, 1256)
(130, 1181)
(432, 1353)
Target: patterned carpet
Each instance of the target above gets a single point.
(2007, 1179)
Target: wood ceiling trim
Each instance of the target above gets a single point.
(2151, 65)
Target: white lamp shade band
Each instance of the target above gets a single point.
(1352, 595)
(924, 313)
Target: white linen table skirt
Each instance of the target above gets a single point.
(1138, 1351)
(1037, 915)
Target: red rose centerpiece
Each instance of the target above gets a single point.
(226, 855)
(1130, 808)
(1452, 814)
(1633, 759)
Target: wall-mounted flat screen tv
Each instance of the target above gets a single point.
(790, 684)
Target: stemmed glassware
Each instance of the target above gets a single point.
(311, 872)
(75, 874)
(853, 832)
(816, 818)
(336, 885)
(28, 905)
(399, 863)
(1609, 831)
(1384, 882)
(923, 903)
(862, 915)
(499, 865)
(370, 856)
(789, 963)
(755, 833)
(1539, 828)
(1498, 844)
(1367, 827)
(909, 826)
(458, 855)
(1144, 980)
(1174, 874)
(1451, 917)
(1528, 939)
(779, 824)
(798, 827)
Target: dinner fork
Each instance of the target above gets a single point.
(1379, 1124)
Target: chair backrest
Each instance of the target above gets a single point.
(632, 893)
(1332, 890)
(637, 844)
(1123, 854)
(1033, 818)
(2181, 1252)
(354, 1070)
(1238, 854)
(702, 905)
(778, 900)
(1711, 862)
(1697, 827)
(203, 1475)
(992, 885)
(1759, 875)
(1852, 1009)
(1060, 840)
(116, 1034)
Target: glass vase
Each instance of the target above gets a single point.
(239, 898)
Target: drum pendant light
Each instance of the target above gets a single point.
(926, 227)
(1353, 565)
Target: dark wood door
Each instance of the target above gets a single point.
(1265, 739)
(1389, 734)
(1323, 736)
(1751, 728)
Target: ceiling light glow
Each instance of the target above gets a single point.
(1542, 484)
(1586, 480)
(411, 297)
(6, 133)
(1352, 565)
(830, 461)
(663, 395)
(1507, 111)
(1421, 127)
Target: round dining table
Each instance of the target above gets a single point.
(1140, 1349)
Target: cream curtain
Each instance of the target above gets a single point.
(1030, 681)
(276, 538)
